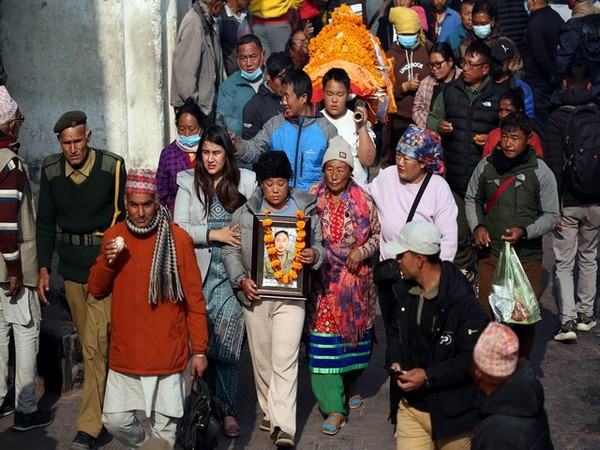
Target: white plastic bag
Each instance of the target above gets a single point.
(512, 298)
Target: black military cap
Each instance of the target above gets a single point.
(70, 119)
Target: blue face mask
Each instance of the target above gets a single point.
(189, 141)
(407, 41)
(482, 31)
(252, 76)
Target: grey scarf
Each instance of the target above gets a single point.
(164, 277)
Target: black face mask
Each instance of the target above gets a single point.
(497, 70)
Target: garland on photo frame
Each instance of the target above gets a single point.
(280, 275)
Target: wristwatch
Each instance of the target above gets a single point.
(427, 382)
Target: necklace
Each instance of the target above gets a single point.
(269, 240)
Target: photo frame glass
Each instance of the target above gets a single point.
(286, 236)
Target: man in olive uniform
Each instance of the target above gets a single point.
(81, 192)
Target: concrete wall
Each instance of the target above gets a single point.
(109, 58)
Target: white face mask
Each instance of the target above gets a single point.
(482, 31)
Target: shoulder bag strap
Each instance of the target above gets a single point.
(498, 193)
(413, 208)
(117, 193)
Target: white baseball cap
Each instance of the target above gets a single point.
(419, 237)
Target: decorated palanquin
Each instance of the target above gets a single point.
(347, 43)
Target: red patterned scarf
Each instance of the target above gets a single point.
(347, 292)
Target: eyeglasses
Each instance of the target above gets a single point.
(19, 119)
(436, 64)
(469, 65)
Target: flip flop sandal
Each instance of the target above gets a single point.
(334, 423)
(355, 402)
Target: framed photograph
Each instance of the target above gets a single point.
(275, 261)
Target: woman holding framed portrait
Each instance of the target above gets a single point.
(342, 308)
(275, 316)
(206, 199)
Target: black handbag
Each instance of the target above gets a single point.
(199, 427)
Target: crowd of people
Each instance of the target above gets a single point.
(494, 142)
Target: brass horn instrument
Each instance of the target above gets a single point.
(358, 115)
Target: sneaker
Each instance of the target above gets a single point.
(38, 419)
(585, 322)
(265, 424)
(284, 439)
(567, 332)
(83, 441)
(6, 409)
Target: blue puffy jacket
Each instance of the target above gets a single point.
(579, 38)
(303, 139)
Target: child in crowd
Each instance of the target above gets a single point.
(353, 126)
(511, 101)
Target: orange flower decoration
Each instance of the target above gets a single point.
(269, 240)
(347, 43)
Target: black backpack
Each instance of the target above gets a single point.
(200, 425)
(582, 150)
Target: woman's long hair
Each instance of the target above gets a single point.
(227, 189)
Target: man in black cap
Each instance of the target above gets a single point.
(503, 60)
(81, 192)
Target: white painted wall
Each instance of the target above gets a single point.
(109, 58)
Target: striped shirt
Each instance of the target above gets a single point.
(12, 182)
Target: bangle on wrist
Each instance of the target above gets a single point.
(200, 355)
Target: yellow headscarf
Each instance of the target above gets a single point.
(406, 21)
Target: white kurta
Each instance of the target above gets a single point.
(162, 393)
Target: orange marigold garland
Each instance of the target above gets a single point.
(347, 43)
(269, 240)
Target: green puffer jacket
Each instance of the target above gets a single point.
(531, 202)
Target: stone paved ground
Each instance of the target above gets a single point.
(569, 373)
